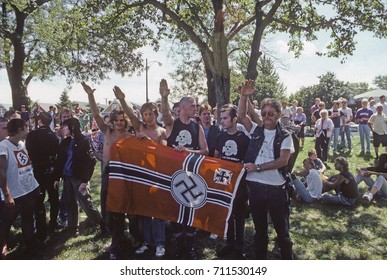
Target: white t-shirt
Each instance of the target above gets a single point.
(379, 123)
(314, 183)
(347, 114)
(20, 177)
(384, 107)
(266, 154)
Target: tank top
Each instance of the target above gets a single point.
(186, 135)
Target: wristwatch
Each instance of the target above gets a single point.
(258, 168)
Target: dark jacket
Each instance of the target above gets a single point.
(42, 145)
(83, 162)
(211, 141)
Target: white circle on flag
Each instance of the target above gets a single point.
(189, 189)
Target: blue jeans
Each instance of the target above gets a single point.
(335, 136)
(364, 131)
(380, 184)
(153, 231)
(275, 200)
(304, 194)
(338, 200)
(346, 134)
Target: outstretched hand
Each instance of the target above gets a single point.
(87, 88)
(247, 88)
(118, 93)
(164, 90)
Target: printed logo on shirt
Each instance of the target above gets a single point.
(22, 158)
(230, 148)
(184, 138)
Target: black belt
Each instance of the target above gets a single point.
(270, 186)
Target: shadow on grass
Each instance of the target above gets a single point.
(335, 232)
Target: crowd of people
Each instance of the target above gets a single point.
(40, 151)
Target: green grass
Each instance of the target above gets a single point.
(318, 231)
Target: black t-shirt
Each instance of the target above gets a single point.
(316, 114)
(349, 189)
(186, 135)
(232, 147)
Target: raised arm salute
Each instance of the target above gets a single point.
(165, 109)
(245, 106)
(148, 127)
(182, 133)
(127, 109)
(118, 130)
(94, 108)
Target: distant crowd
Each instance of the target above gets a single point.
(54, 152)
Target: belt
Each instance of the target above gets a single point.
(269, 186)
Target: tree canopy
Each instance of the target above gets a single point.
(86, 39)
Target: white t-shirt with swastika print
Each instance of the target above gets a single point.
(20, 176)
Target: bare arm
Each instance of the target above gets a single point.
(94, 108)
(343, 119)
(202, 142)
(253, 114)
(313, 118)
(8, 199)
(303, 172)
(165, 110)
(368, 173)
(163, 138)
(339, 180)
(245, 90)
(127, 109)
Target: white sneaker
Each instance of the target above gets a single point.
(141, 250)
(213, 236)
(160, 251)
(368, 196)
(113, 256)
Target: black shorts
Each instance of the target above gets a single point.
(379, 139)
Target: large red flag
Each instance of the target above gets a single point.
(149, 179)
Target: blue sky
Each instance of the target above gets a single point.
(368, 61)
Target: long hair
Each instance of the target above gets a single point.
(74, 128)
(343, 162)
(149, 106)
(114, 116)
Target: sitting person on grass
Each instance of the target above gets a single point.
(376, 187)
(312, 191)
(318, 164)
(344, 185)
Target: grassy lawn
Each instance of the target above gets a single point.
(318, 231)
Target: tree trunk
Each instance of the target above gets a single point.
(18, 89)
(252, 72)
(221, 71)
(16, 66)
(211, 95)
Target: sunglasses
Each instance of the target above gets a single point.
(270, 114)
